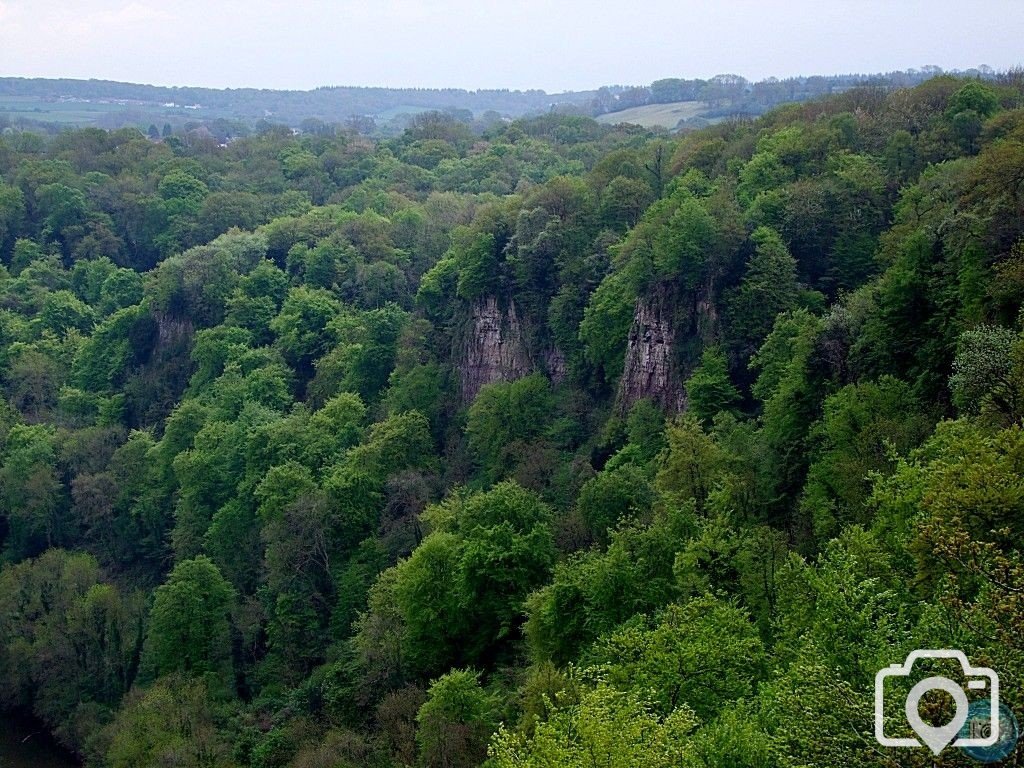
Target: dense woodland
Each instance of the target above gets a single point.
(551, 444)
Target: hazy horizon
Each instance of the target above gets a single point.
(521, 46)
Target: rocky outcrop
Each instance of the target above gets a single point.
(172, 330)
(651, 369)
(494, 348)
(670, 328)
(555, 365)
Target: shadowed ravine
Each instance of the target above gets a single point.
(25, 744)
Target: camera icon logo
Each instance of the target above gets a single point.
(937, 738)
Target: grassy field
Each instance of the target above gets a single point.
(654, 115)
(79, 113)
(73, 113)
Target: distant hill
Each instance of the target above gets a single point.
(733, 95)
(112, 104)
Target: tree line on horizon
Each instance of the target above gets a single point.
(375, 110)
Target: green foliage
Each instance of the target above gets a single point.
(983, 370)
(477, 264)
(32, 501)
(365, 355)
(682, 246)
(702, 655)
(173, 721)
(455, 722)
(12, 216)
(504, 420)
(461, 592)
(863, 429)
(302, 327)
(614, 496)
(709, 390)
(208, 368)
(189, 625)
(975, 96)
(604, 726)
(593, 592)
(764, 172)
(790, 394)
(69, 640)
(125, 337)
(606, 322)
(769, 287)
(809, 712)
(964, 474)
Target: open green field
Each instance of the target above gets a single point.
(90, 113)
(73, 113)
(655, 115)
(52, 111)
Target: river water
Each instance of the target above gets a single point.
(24, 744)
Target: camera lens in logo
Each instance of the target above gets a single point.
(978, 726)
(937, 737)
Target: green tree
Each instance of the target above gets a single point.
(302, 327)
(704, 654)
(619, 495)
(122, 288)
(593, 592)
(12, 217)
(63, 311)
(769, 286)
(68, 643)
(63, 209)
(682, 245)
(474, 256)
(606, 322)
(33, 501)
(983, 371)
(603, 726)
(175, 721)
(865, 427)
(456, 721)
(504, 418)
(189, 625)
(461, 591)
(709, 389)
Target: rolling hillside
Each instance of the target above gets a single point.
(656, 115)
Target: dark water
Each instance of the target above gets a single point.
(24, 744)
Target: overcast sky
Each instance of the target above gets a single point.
(550, 44)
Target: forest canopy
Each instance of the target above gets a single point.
(537, 443)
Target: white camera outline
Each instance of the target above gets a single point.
(903, 670)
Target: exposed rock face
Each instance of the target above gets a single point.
(651, 370)
(495, 349)
(670, 328)
(172, 330)
(555, 365)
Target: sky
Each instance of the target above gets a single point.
(555, 45)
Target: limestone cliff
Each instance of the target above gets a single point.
(650, 369)
(172, 330)
(669, 329)
(494, 347)
(555, 365)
